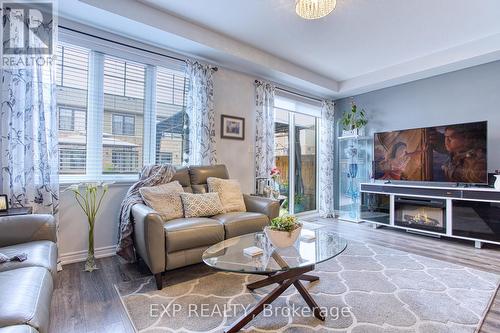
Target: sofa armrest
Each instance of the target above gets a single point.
(266, 206)
(149, 237)
(27, 228)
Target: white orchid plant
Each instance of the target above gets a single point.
(89, 197)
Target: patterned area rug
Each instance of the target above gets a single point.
(367, 289)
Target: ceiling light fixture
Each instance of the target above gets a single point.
(314, 9)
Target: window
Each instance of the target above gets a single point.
(66, 120)
(164, 158)
(123, 160)
(123, 125)
(170, 115)
(296, 152)
(72, 160)
(71, 91)
(72, 120)
(117, 111)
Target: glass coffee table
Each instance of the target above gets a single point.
(284, 266)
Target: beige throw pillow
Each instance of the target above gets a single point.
(229, 191)
(200, 205)
(165, 199)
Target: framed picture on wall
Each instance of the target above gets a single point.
(4, 203)
(232, 127)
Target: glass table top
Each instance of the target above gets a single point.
(228, 255)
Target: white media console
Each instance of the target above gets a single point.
(471, 213)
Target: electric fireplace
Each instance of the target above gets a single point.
(420, 213)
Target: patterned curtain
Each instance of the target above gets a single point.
(326, 160)
(264, 130)
(29, 150)
(200, 120)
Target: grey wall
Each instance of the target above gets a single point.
(467, 95)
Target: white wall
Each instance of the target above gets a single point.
(234, 95)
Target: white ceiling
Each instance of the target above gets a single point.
(363, 45)
(359, 37)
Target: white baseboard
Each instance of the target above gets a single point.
(79, 256)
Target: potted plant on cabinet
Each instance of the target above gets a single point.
(354, 121)
(283, 231)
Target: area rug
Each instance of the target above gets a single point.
(367, 289)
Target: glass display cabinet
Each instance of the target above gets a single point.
(355, 156)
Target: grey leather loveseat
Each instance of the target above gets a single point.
(165, 246)
(26, 287)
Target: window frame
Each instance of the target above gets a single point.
(123, 116)
(72, 121)
(98, 49)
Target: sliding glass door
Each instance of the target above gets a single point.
(296, 158)
(305, 163)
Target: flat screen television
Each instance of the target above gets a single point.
(453, 153)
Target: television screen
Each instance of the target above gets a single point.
(453, 153)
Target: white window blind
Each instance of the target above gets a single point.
(123, 141)
(170, 115)
(117, 114)
(72, 74)
(295, 103)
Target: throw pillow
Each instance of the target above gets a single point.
(200, 205)
(229, 191)
(165, 199)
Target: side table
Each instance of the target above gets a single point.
(17, 211)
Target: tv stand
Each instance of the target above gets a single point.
(464, 212)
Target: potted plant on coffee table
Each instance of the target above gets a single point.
(283, 231)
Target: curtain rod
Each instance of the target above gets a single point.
(131, 46)
(295, 93)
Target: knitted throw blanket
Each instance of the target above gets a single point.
(151, 175)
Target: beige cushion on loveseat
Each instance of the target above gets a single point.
(229, 191)
(165, 199)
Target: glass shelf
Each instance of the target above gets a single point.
(355, 156)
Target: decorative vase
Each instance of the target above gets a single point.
(497, 182)
(282, 239)
(90, 264)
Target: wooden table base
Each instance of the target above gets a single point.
(284, 279)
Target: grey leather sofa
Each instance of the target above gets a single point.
(165, 246)
(26, 287)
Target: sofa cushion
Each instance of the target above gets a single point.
(40, 254)
(188, 233)
(201, 205)
(182, 176)
(240, 223)
(26, 300)
(229, 191)
(199, 174)
(165, 199)
(18, 329)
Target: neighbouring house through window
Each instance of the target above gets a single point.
(117, 111)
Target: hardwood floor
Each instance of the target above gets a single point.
(88, 302)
